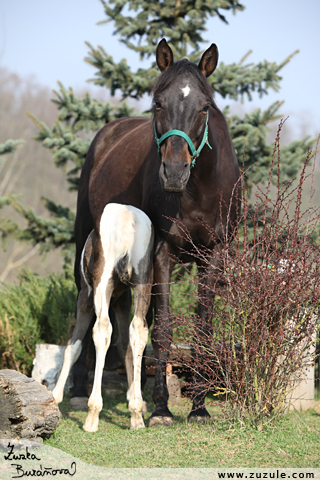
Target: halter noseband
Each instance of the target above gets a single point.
(195, 153)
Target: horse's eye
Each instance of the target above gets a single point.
(205, 109)
(158, 106)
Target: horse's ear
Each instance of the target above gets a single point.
(209, 60)
(164, 55)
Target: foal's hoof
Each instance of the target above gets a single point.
(91, 424)
(137, 425)
(79, 403)
(162, 421)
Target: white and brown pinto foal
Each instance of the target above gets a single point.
(117, 257)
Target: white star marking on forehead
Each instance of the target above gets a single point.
(185, 91)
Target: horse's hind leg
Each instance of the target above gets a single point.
(102, 331)
(138, 340)
(122, 308)
(84, 316)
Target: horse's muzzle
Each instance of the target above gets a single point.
(174, 176)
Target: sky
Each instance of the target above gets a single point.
(46, 39)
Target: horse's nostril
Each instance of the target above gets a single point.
(186, 165)
(164, 171)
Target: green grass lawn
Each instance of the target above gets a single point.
(292, 442)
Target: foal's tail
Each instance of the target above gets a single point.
(119, 237)
(126, 236)
(123, 269)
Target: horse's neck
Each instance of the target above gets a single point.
(203, 177)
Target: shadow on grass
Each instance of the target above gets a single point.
(111, 412)
(115, 411)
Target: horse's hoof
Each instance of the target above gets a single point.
(79, 403)
(162, 421)
(91, 426)
(200, 419)
(137, 425)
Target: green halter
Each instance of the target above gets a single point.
(195, 153)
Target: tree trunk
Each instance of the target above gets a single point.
(27, 408)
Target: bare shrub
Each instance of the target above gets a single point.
(262, 285)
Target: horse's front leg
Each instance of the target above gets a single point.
(203, 331)
(161, 337)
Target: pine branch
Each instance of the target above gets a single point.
(65, 139)
(6, 201)
(236, 80)
(181, 22)
(86, 113)
(51, 233)
(119, 76)
(65, 145)
(249, 135)
(9, 146)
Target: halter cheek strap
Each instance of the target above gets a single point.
(195, 153)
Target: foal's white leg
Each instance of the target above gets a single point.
(102, 331)
(138, 340)
(74, 346)
(71, 355)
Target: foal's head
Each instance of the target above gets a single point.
(181, 99)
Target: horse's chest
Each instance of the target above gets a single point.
(185, 230)
(185, 221)
(189, 233)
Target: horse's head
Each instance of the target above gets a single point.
(181, 99)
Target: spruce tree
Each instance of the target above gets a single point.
(140, 24)
(9, 146)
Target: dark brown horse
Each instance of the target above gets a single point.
(183, 175)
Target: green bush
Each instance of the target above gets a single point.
(37, 309)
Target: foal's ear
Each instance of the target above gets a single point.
(209, 60)
(164, 55)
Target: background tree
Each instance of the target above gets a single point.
(140, 25)
(26, 169)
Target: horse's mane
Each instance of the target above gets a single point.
(178, 68)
